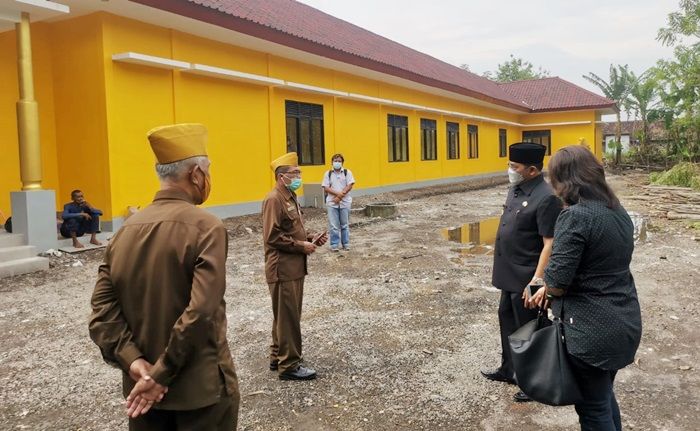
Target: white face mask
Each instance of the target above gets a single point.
(514, 177)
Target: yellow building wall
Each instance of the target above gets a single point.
(565, 135)
(103, 110)
(9, 95)
(598, 143)
(358, 128)
(138, 98)
(236, 115)
(80, 114)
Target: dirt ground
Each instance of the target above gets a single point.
(397, 328)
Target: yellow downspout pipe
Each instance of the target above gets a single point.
(27, 111)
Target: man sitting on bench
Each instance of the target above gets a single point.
(79, 218)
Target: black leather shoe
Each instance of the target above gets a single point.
(521, 397)
(299, 373)
(273, 365)
(497, 376)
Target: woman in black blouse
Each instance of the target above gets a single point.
(589, 283)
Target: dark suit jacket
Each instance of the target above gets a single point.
(530, 213)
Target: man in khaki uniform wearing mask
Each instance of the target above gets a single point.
(158, 308)
(287, 243)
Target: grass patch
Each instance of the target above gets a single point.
(683, 175)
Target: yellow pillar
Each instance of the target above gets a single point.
(27, 111)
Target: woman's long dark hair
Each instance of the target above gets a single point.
(577, 176)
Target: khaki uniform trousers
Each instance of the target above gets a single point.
(286, 323)
(222, 416)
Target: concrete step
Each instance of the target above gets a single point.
(23, 266)
(11, 239)
(18, 252)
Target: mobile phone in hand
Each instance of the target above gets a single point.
(317, 237)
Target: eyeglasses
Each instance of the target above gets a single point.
(296, 173)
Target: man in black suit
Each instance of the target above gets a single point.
(523, 246)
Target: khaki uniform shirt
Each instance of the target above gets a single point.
(159, 295)
(283, 236)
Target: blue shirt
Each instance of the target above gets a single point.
(73, 210)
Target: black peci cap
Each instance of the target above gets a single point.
(527, 153)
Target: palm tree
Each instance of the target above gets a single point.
(643, 90)
(617, 89)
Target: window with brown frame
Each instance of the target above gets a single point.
(502, 143)
(452, 140)
(543, 137)
(428, 139)
(473, 135)
(397, 127)
(305, 132)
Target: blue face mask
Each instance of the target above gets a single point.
(294, 185)
(337, 165)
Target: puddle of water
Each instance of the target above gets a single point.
(478, 237)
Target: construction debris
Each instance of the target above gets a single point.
(671, 202)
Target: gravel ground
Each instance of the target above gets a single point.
(398, 329)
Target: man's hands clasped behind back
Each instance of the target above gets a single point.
(146, 392)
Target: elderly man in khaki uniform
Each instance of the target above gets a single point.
(158, 310)
(287, 244)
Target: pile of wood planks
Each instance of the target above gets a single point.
(671, 202)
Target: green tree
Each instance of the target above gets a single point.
(679, 80)
(679, 85)
(641, 100)
(616, 88)
(685, 22)
(516, 69)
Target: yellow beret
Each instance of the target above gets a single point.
(289, 159)
(178, 142)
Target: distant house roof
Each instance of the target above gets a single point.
(302, 27)
(657, 131)
(626, 127)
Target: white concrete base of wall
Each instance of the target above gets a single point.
(34, 216)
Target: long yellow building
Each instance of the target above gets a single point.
(264, 77)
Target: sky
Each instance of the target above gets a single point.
(568, 38)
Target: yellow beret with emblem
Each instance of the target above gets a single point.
(289, 159)
(178, 142)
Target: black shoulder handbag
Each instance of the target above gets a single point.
(541, 362)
